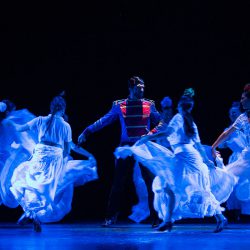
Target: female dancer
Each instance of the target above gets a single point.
(14, 147)
(183, 177)
(236, 142)
(241, 166)
(43, 186)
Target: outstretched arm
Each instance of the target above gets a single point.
(223, 136)
(107, 119)
(18, 127)
(82, 137)
(81, 150)
(155, 136)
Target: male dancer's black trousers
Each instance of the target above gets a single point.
(123, 173)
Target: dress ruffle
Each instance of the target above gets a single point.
(198, 190)
(45, 183)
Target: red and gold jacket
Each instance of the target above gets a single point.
(136, 118)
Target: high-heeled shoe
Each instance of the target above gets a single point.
(156, 222)
(24, 219)
(221, 224)
(36, 223)
(165, 226)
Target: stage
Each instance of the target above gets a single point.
(90, 235)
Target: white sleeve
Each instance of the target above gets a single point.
(176, 122)
(238, 122)
(68, 137)
(33, 123)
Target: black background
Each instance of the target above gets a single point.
(91, 48)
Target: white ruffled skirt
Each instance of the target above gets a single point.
(198, 191)
(241, 196)
(45, 183)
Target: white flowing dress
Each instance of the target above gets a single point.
(44, 184)
(14, 149)
(184, 172)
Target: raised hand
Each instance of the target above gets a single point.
(81, 138)
(92, 160)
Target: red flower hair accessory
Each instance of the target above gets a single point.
(247, 88)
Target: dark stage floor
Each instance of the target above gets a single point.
(123, 236)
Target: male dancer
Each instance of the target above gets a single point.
(135, 114)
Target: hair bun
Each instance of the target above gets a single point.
(166, 102)
(62, 94)
(189, 92)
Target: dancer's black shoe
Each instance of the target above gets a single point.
(221, 224)
(36, 224)
(165, 226)
(156, 222)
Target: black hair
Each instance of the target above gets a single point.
(186, 102)
(133, 81)
(58, 103)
